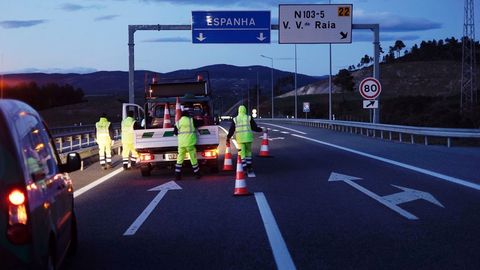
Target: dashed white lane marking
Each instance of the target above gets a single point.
(233, 140)
(96, 183)
(291, 129)
(279, 248)
(403, 165)
(276, 130)
(285, 132)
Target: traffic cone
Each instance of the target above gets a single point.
(167, 123)
(228, 164)
(264, 146)
(240, 183)
(178, 111)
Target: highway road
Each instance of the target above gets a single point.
(325, 200)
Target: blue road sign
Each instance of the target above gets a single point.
(231, 26)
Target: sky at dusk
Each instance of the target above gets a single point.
(92, 35)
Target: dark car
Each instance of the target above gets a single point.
(37, 218)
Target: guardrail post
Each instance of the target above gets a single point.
(412, 140)
(70, 139)
(449, 142)
(79, 137)
(381, 134)
(60, 144)
(426, 140)
(400, 137)
(390, 135)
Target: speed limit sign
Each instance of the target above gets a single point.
(370, 88)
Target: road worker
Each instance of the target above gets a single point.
(243, 125)
(185, 129)
(104, 141)
(129, 154)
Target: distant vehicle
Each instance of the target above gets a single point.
(157, 146)
(37, 220)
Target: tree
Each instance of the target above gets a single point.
(365, 60)
(344, 80)
(399, 45)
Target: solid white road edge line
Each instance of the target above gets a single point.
(403, 165)
(291, 129)
(96, 183)
(233, 140)
(280, 251)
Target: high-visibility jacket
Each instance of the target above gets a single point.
(127, 130)
(186, 132)
(103, 126)
(243, 131)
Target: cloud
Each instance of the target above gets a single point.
(75, 7)
(222, 3)
(106, 18)
(368, 37)
(394, 23)
(20, 24)
(170, 39)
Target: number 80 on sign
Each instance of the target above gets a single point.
(370, 88)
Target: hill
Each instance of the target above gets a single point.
(421, 93)
(222, 78)
(428, 78)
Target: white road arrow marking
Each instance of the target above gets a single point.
(409, 195)
(201, 37)
(261, 37)
(390, 201)
(144, 215)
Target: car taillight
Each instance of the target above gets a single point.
(210, 153)
(147, 157)
(17, 230)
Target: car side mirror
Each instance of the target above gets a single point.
(73, 162)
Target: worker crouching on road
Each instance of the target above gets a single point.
(185, 129)
(104, 141)
(242, 125)
(128, 125)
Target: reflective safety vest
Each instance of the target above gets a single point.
(127, 130)
(186, 132)
(102, 128)
(243, 131)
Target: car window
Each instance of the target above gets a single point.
(36, 148)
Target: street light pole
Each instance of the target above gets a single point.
(1, 80)
(258, 98)
(271, 59)
(296, 81)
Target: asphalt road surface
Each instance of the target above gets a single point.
(325, 200)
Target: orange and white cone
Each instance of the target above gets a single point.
(240, 183)
(228, 164)
(264, 146)
(167, 123)
(178, 111)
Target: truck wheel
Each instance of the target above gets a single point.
(214, 169)
(146, 171)
(213, 166)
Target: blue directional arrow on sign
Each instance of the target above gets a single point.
(231, 26)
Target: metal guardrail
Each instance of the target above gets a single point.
(81, 139)
(386, 131)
